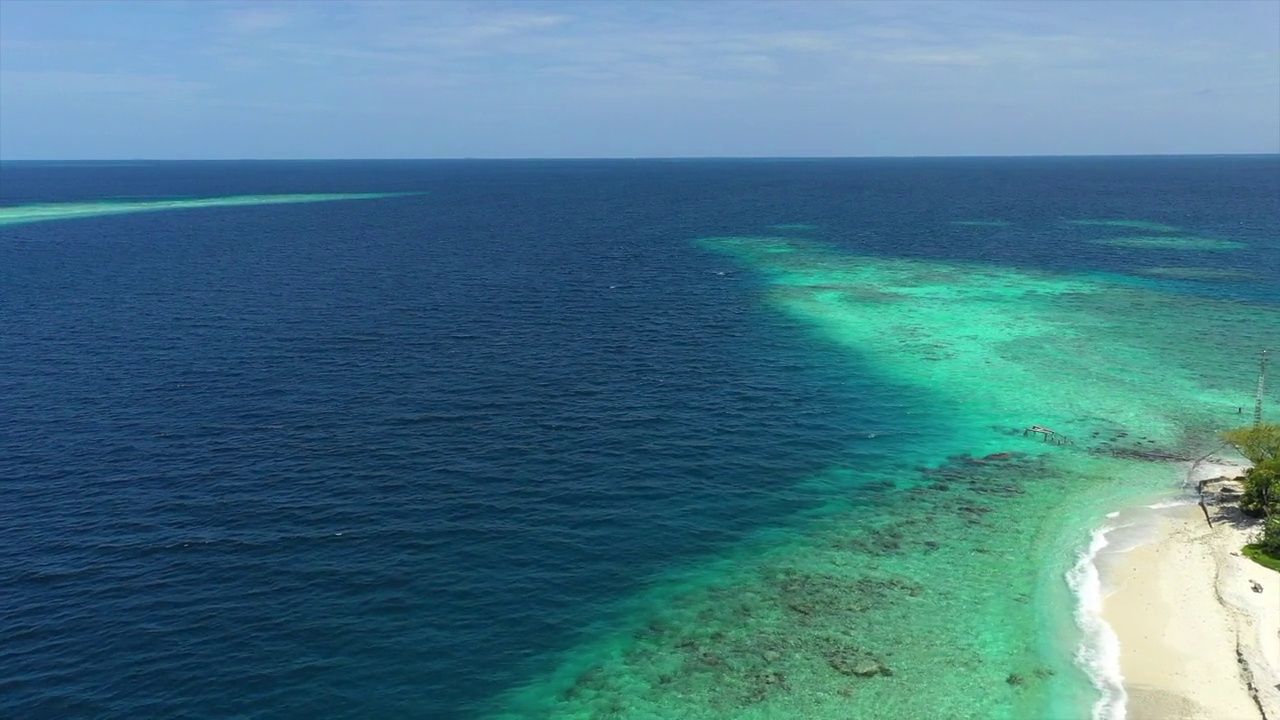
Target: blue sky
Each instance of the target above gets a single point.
(370, 79)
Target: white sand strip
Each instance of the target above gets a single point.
(1196, 641)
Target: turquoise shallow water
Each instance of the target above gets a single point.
(654, 439)
(942, 592)
(48, 212)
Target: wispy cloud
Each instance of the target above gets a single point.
(260, 18)
(781, 64)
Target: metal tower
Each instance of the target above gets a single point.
(1262, 379)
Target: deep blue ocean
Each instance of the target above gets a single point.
(384, 458)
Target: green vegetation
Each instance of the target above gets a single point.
(1262, 491)
(1261, 445)
(1257, 554)
(1270, 542)
(1258, 443)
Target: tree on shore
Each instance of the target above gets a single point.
(1269, 542)
(1261, 445)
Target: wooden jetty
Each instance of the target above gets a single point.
(1049, 435)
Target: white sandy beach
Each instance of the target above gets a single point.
(1196, 641)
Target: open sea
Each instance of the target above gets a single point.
(602, 439)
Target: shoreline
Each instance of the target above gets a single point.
(1186, 637)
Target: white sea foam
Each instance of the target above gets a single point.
(1166, 504)
(1099, 651)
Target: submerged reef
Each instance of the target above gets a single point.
(931, 584)
(1169, 242)
(47, 212)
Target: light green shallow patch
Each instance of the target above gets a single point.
(1127, 224)
(1164, 242)
(20, 214)
(931, 587)
(1052, 349)
(1198, 273)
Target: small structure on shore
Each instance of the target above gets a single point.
(1049, 435)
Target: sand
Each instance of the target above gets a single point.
(1196, 641)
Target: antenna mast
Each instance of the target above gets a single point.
(1262, 379)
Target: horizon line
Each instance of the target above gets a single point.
(584, 158)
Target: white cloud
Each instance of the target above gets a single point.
(609, 62)
(259, 18)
